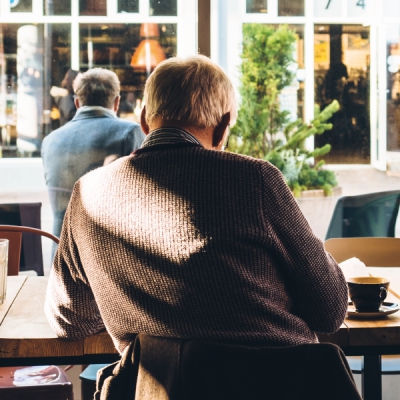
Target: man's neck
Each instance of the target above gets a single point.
(92, 108)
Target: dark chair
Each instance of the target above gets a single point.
(373, 252)
(30, 383)
(174, 369)
(366, 215)
(26, 214)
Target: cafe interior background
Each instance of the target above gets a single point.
(349, 49)
(41, 39)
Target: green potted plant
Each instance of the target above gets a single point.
(265, 131)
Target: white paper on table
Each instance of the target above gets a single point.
(353, 267)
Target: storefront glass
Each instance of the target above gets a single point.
(24, 6)
(391, 8)
(256, 6)
(115, 37)
(26, 83)
(35, 57)
(393, 87)
(128, 6)
(341, 70)
(118, 47)
(293, 8)
(292, 97)
(166, 7)
(360, 8)
(57, 7)
(92, 7)
(328, 8)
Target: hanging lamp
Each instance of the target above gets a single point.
(149, 53)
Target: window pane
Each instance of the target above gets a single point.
(393, 89)
(113, 47)
(163, 7)
(391, 8)
(25, 101)
(328, 8)
(128, 6)
(21, 5)
(292, 97)
(341, 64)
(92, 7)
(256, 6)
(291, 8)
(360, 8)
(57, 7)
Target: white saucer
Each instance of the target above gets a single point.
(386, 309)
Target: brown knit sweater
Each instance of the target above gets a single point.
(180, 241)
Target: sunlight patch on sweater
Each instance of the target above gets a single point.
(161, 227)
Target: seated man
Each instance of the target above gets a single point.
(94, 137)
(184, 240)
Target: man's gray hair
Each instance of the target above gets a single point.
(194, 90)
(97, 87)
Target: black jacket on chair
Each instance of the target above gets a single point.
(154, 368)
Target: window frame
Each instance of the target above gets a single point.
(186, 33)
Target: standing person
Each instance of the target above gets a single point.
(66, 103)
(128, 104)
(94, 137)
(184, 240)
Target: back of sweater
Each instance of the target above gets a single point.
(192, 243)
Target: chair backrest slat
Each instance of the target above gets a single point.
(14, 235)
(26, 214)
(372, 251)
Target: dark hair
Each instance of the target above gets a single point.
(69, 78)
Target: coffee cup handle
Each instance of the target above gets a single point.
(383, 293)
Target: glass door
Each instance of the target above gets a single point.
(393, 87)
(342, 73)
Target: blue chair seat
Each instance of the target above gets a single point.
(90, 372)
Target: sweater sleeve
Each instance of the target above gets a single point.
(70, 306)
(314, 280)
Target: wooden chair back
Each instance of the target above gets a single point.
(26, 214)
(372, 251)
(14, 235)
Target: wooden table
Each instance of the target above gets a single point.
(27, 339)
(372, 338)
